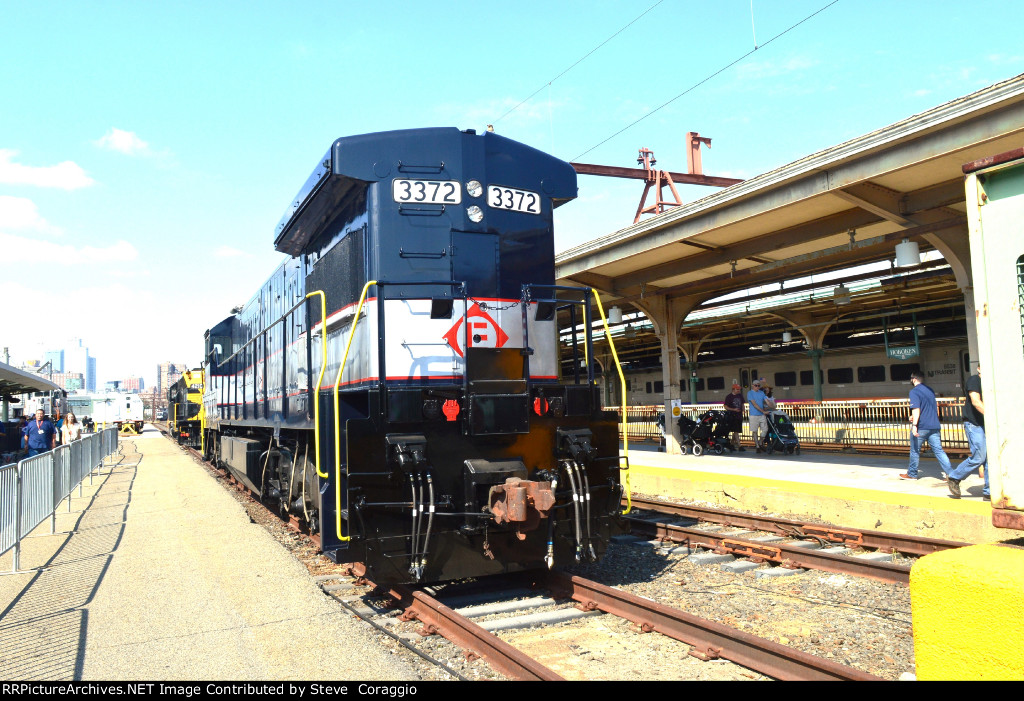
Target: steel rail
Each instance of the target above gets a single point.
(786, 555)
(438, 618)
(874, 540)
(709, 639)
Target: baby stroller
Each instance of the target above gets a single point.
(781, 434)
(709, 432)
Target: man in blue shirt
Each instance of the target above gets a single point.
(924, 420)
(758, 422)
(974, 429)
(40, 436)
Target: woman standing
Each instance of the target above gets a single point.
(72, 430)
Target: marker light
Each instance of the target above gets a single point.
(476, 215)
(474, 188)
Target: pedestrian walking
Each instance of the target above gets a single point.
(924, 428)
(72, 430)
(974, 427)
(40, 435)
(756, 411)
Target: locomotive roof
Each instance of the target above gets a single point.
(354, 162)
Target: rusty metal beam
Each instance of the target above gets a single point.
(942, 195)
(878, 200)
(641, 174)
(861, 252)
(709, 639)
(768, 243)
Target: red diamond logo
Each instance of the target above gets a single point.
(484, 332)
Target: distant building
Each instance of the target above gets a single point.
(167, 374)
(133, 384)
(76, 358)
(69, 380)
(56, 359)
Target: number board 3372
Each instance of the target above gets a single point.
(513, 199)
(426, 191)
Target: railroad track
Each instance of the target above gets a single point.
(784, 542)
(557, 598)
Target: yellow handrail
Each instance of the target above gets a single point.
(337, 421)
(622, 381)
(320, 377)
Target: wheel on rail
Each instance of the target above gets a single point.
(698, 449)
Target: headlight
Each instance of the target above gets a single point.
(476, 215)
(474, 188)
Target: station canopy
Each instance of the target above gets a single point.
(14, 381)
(846, 206)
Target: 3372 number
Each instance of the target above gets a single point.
(513, 199)
(426, 191)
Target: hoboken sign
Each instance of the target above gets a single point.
(902, 352)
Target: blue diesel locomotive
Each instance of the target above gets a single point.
(396, 383)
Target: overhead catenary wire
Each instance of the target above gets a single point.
(578, 62)
(706, 79)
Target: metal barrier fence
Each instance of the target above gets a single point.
(32, 489)
(883, 423)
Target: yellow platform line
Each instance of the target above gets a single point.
(824, 490)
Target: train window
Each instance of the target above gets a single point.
(649, 390)
(716, 383)
(785, 379)
(871, 373)
(900, 372)
(807, 377)
(629, 385)
(840, 376)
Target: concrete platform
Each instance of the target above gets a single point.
(848, 489)
(165, 578)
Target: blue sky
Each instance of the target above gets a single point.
(148, 150)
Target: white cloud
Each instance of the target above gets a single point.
(759, 70)
(66, 176)
(229, 252)
(18, 249)
(126, 142)
(22, 213)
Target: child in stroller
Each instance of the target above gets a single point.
(709, 432)
(781, 434)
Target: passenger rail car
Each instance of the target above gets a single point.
(846, 373)
(395, 383)
(185, 408)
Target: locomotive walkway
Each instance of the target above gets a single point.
(166, 578)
